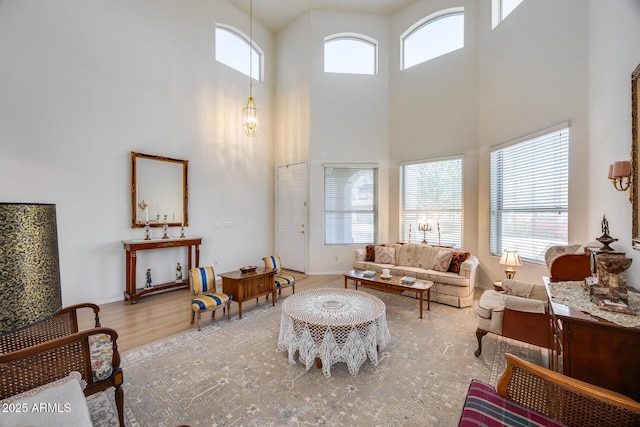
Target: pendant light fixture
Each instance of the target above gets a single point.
(250, 112)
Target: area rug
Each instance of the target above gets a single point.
(232, 374)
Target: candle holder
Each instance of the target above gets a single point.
(147, 231)
(425, 228)
(182, 236)
(158, 218)
(165, 228)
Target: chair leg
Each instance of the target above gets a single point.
(193, 316)
(198, 320)
(479, 334)
(213, 314)
(119, 392)
(228, 310)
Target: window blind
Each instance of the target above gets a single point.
(431, 192)
(350, 205)
(530, 195)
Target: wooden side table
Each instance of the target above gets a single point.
(132, 293)
(245, 286)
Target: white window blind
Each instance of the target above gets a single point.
(431, 192)
(530, 195)
(350, 205)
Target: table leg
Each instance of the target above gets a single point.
(239, 310)
(421, 300)
(318, 363)
(345, 282)
(429, 299)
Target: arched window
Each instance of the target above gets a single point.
(500, 9)
(433, 36)
(350, 53)
(232, 49)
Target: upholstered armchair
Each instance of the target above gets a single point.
(202, 281)
(519, 312)
(280, 279)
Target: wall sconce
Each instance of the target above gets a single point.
(510, 259)
(620, 175)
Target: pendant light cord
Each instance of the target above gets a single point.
(250, 48)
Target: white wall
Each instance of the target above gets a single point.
(613, 55)
(531, 79)
(349, 124)
(83, 83)
(434, 110)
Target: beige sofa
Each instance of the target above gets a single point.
(416, 260)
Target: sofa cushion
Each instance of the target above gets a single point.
(484, 407)
(442, 260)
(457, 258)
(385, 255)
(444, 277)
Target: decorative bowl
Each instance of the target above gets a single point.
(248, 269)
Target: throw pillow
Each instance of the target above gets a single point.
(457, 258)
(370, 253)
(442, 260)
(385, 255)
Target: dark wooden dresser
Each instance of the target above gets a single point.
(595, 350)
(245, 286)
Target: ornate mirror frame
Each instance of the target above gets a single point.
(635, 112)
(161, 182)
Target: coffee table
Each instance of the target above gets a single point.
(392, 284)
(333, 325)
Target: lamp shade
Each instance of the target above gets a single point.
(29, 265)
(621, 169)
(510, 258)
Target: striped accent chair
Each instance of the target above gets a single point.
(202, 281)
(280, 279)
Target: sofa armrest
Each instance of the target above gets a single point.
(469, 266)
(359, 254)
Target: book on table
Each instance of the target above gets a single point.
(408, 280)
(368, 273)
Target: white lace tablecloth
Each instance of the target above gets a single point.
(575, 295)
(336, 325)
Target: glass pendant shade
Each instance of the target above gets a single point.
(250, 118)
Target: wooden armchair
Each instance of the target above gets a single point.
(528, 394)
(520, 312)
(52, 348)
(565, 399)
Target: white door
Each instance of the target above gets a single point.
(291, 202)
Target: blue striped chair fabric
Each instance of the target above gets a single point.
(280, 279)
(205, 297)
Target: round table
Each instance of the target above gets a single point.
(333, 325)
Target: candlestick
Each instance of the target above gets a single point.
(165, 228)
(147, 229)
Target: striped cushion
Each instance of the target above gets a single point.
(283, 280)
(202, 279)
(485, 407)
(273, 261)
(208, 301)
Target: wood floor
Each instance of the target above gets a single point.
(161, 315)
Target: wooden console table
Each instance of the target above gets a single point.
(132, 292)
(595, 350)
(245, 286)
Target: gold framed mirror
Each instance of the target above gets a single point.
(635, 111)
(159, 185)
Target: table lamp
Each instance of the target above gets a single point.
(510, 259)
(29, 266)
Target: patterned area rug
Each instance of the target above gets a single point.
(231, 373)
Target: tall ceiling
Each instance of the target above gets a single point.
(276, 14)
